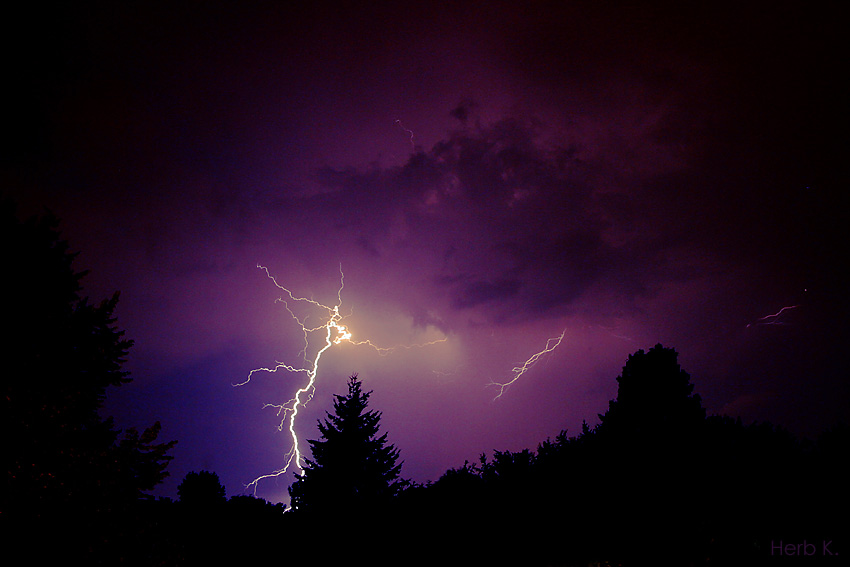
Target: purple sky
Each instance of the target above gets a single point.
(629, 172)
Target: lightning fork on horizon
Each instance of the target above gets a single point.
(518, 371)
(334, 333)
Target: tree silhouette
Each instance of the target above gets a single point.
(655, 483)
(648, 449)
(353, 468)
(201, 490)
(655, 400)
(616, 490)
(60, 355)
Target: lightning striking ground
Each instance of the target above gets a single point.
(518, 371)
(332, 332)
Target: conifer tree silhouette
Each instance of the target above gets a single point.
(61, 354)
(353, 467)
(69, 471)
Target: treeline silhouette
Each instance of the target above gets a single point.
(655, 482)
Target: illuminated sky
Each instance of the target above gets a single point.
(627, 173)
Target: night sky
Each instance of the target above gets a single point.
(487, 173)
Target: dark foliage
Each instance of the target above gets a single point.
(656, 482)
(655, 402)
(201, 490)
(243, 530)
(208, 529)
(64, 464)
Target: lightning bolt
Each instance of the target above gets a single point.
(409, 132)
(332, 332)
(518, 371)
(772, 319)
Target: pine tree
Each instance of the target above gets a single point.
(353, 467)
(60, 355)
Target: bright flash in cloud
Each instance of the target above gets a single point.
(329, 332)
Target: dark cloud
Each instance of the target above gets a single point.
(478, 292)
(513, 222)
